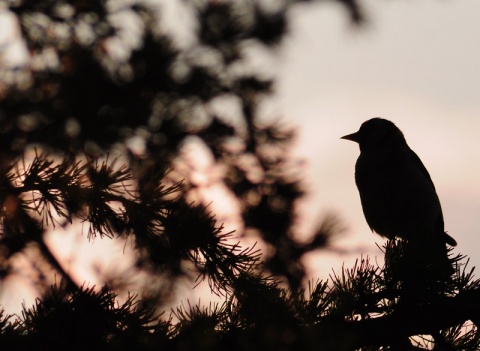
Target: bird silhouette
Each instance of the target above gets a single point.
(397, 194)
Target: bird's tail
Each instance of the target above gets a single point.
(449, 240)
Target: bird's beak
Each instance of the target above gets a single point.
(352, 137)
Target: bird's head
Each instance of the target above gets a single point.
(376, 133)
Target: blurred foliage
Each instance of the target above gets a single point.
(97, 101)
(109, 77)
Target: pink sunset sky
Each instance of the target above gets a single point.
(415, 63)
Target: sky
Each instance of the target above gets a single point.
(414, 63)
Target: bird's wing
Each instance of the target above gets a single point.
(421, 167)
(439, 223)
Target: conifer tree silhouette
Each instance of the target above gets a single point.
(101, 76)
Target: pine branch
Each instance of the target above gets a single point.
(20, 229)
(390, 329)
